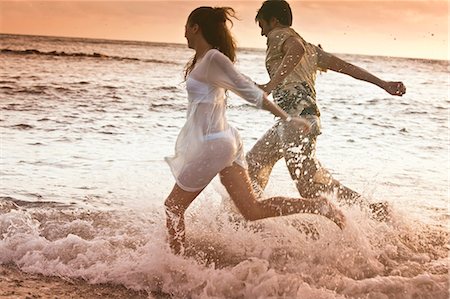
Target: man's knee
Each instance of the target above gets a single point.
(249, 156)
(309, 189)
(253, 162)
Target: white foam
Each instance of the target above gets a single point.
(228, 258)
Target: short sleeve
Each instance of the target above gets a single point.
(222, 73)
(322, 57)
(277, 37)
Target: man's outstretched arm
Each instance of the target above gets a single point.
(334, 63)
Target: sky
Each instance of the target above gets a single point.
(417, 29)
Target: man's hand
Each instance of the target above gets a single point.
(395, 88)
(300, 123)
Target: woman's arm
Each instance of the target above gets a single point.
(221, 72)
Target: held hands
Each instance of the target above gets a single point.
(395, 88)
(300, 123)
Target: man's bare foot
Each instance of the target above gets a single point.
(330, 211)
(380, 211)
(337, 217)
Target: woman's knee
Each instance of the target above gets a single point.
(249, 208)
(223, 178)
(250, 212)
(250, 216)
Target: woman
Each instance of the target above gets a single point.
(207, 145)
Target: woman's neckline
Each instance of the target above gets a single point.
(204, 54)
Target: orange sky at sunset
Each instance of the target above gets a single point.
(393, 28)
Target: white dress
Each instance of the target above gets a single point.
(207, 143)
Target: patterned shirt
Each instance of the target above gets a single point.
(296, 93)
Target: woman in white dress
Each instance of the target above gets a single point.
(207, 145)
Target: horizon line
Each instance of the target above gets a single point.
(182, 44)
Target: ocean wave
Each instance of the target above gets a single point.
(7, 82)
(163, 107)
(227, 257)
(23, 126)
(166, 88)
(94, 55)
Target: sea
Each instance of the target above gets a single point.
(85, 126)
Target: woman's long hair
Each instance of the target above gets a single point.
(213, 24)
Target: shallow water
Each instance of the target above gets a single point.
(83, 137)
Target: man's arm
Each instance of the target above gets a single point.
(293, 51)
(331, 62)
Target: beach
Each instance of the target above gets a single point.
(85, 125)
(17, 284)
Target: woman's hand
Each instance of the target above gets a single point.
(300, 123)
(265, 87)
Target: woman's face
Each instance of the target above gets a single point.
(190, 33)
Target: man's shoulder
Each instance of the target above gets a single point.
(280, 31)
(279, 35)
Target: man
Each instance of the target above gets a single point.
(292, 64)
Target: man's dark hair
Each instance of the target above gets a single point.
(278, 9)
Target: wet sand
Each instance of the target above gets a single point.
(17, 284)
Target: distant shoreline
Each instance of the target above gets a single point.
(150, 43)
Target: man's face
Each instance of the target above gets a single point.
(266, 26)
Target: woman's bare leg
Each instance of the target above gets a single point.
(237, 182)
(176, 204)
